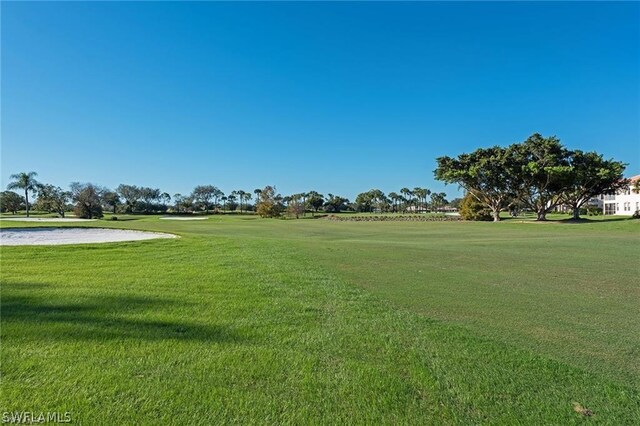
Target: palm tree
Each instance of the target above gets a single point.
(394, 199)
(257, 191)
(26, 182)
(246, 196)
(408, 194)
(241, 196)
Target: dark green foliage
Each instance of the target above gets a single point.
(542, 170)
(539, 174)
(10, 202)
(590, 175)
(488, 174)
(335, 204)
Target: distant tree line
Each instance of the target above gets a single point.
(538, 174)
(89, 200)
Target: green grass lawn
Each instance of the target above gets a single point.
(253, 320)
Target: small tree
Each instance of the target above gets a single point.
(150, 197)
(472, 209)
(130, 194)
(165, 199)
(88, 200)
(315, 200)
(53, 199)
(111, 199)
(295, 206)
(25, 181)
(10, 202)
(203, 194)
(336, 204)
(269, 204)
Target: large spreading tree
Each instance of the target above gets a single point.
(543, 172)
(486, 173)
(590, 175)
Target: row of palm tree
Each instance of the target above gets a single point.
(207, 196)
(416, 197)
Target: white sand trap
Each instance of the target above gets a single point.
(184, 218)
(46, 219)
(57, 236)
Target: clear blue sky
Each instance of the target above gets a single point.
(333, 97)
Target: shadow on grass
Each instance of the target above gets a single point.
(585, 220)
(101, 318)
(569, 220)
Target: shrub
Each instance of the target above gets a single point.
(636, 215)
(592, 211)
(472, 209)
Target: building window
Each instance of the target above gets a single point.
(609, 208)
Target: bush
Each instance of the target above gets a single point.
(472, 209)
(591, 211)
(636, 215)
(269, 209)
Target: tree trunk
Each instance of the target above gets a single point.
(541, 215)
(576, 213)
(26, 199)
(496, 215)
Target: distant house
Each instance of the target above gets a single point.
(624, 202)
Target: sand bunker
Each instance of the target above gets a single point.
(46, 219)
(57, 236)
(184, 218)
